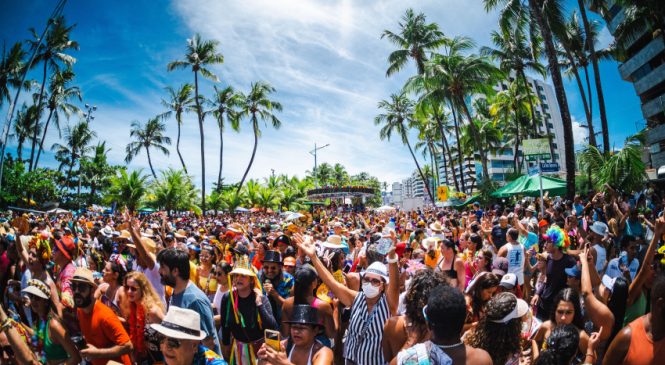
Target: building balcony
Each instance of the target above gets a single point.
(651, 50)
(651, 80)
(654, 107)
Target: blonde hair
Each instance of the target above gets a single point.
(149, 297)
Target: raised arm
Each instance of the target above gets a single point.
(599, 313)
(148, 259)
(344, 294)
(645, 269)
(393, 276)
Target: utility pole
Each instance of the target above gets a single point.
(313, 153)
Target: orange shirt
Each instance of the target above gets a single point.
(102, 329)
(643, 350)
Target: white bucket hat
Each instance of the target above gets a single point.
(599, 228)
(181, 323)
(378, 268)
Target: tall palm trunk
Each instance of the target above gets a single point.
(596, 78)
(19, 149)
(459, 154)
(476, 139)
(527, 88)
(446, 149)
(203, 164)
(420, 171)
(588, 88)
(560, 92)
(517, 145)
(251, 160)
(587, 109)
(69, 172)
(41, 142)
(37, 116)
(147, 151)
(221, 153)
(177, 146)
(435, 163)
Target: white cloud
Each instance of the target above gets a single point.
(580, 133)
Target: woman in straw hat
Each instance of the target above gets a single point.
(47, 342)
(301, 348)
(36, 257)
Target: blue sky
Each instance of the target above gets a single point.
(325, 58)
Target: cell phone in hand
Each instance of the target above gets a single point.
(272, 339)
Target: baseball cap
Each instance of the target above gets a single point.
(508, 281)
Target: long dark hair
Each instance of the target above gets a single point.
(572, 296)
(562, 345)
(304, 277)
(617, 304)
(483, 281)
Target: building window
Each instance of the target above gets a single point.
(554, 145)
(550, 125)
(540, 88)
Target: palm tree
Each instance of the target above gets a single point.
(267, 198)
(127, 190)
(547, 15)
(398, 115)
(231, 200)
(224, 103)
(514, 53)
(11, 67)
(51, 53)
(149, 136)
(179, 102)
(340, 176)
(77, 141)
(427, 134)
(251, 192)
(96, 173)
(174, 191)
(257, 105)
(323, 174)
(414, 39)
(572, 40)
(199, 55)
(58, 101)
(23, 126)
(590, 159)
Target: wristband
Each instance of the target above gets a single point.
(392, 261)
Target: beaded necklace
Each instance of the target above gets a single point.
(39, 338)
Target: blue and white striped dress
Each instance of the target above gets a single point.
(363, 341)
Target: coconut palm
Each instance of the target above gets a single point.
(23, 125)
(231, 200)
(174, 191)
(95, 171)
(428, 133)
(51, 53)
(573, 54)
(76, 144)
(340, 176)
(251, 192)
(546, 15)
(414, 39)
(257, 106)
(267, 198)
(397, 119)
(60, 94)
(11, 67)
(200, 54)
(593, 56)
(179, 101)
(224, 103)
(128, 190)
(146, 137)
(323, 174)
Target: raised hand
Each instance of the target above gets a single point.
(305, 244)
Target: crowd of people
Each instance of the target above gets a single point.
(522, 282)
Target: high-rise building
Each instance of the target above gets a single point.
(398, 196)
(500, 165)
(644, 66)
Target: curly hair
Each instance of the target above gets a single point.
(149, 297)
(562, 345)
(416, 297)
(500, 340)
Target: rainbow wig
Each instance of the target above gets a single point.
(558, 237)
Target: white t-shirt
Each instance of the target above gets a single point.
(601, 258)
(515, 256)
(155, 280)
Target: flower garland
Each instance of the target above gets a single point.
(38, 338)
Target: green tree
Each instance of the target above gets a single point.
(11, 67)
(128, 190)
(323, 174)
(174, 191)
(23, 126)
(257, 106)
(251, 192)
(146, 137)
(76, 144)
(231, 200)
(340, 176)
(224, 104)
(19, 185)
(398, 115)
(51, 53)
(414, 39)
(200, 54)
(96, 172)
(179, 101)
(60, 94)
(267, 198)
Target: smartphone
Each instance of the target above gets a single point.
(273, 339)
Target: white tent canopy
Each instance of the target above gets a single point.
(58, 211)
(385, 208)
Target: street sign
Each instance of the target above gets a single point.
(533, 170)
(536, 146)
(543, 156)
(549, 166)
(442, 193)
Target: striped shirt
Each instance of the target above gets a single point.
(363, 341)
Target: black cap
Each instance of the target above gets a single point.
(272, 256)
(282, 239)
(304, 314)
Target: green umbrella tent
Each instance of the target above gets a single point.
(530, 186)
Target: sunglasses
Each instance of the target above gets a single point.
(373, 281)
(79, 287)
(171, 343)
(131, 288)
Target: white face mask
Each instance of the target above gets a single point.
(370, 290)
